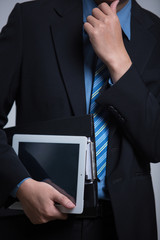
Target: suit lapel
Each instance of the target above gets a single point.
(66, 29)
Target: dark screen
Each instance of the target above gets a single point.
(56, 161)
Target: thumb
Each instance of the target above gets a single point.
(114, 5)
(63, 200)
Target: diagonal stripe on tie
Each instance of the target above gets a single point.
(100, 124)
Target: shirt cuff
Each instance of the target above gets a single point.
(14, 191)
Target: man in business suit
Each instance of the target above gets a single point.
(42, 46)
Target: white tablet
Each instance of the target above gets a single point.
(57, 160)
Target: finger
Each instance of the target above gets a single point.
(63, 200)
(114, 5)
(57, 214)
(92, 20)
(61, 216)
(62, 191)
(98, 14)
(52, 214)
(105, 8)
(88, 28)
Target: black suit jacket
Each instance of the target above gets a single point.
(41, 67)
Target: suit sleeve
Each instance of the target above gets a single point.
(11, 44)
(134, 103)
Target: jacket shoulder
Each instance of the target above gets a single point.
(37, 10)
(148, 19)
(35, 4)
(155, 26)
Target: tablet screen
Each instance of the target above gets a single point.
(56, 161)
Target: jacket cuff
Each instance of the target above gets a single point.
(126, 98)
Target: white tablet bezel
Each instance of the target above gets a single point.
(82, 141)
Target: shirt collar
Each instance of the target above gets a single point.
(124, 15)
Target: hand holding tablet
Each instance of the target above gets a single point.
(61, 159)
(38, 201)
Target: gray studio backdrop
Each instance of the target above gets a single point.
(152, 5)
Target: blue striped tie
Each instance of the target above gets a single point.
(100, 124)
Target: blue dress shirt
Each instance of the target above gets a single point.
(89, 57)
(124, 16)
